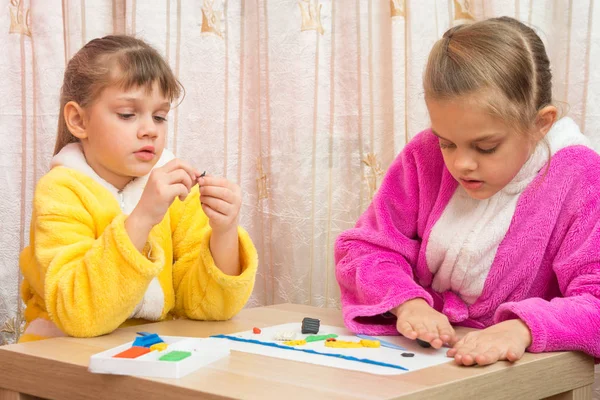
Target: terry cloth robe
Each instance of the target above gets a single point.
(531, 251)
(82, 275)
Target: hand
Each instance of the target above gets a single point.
(221, 202)
(507, 340)
(417, 320)
(174, 179)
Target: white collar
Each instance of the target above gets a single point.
(72, 156)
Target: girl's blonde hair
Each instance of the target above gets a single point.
(112, 60)
(500, 58)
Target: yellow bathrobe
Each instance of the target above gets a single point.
(83, 277)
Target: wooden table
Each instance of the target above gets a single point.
(57, 369)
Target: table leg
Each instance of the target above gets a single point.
(582, 393)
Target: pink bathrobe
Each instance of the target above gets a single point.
(545, 270)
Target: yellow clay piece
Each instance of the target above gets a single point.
(343, 344)
(158, 346)
(295, 342)
(370, 343)
(340, 344)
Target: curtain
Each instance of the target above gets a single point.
(304, 103)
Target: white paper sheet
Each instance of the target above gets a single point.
(423, 357)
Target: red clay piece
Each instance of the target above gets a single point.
(133, 352)
(256, 330)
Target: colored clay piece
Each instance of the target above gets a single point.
(408, 354)
(384, 343)
(203, 174)
(310, 351)
(295, 342)
(316, 338)
(133, 352)
(256, 330)
(370, 343)
(423, 343)
(310, 325)
(147, 340)
(284, 335)
(331, 339)
(159, 346)
(342, 344)
(175, 356)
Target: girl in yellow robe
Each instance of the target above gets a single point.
(121, 229)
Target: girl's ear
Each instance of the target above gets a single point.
(545, 119)
(75, 119)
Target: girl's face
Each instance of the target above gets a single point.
(481, 152)
(125, 133)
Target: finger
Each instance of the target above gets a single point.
(422, 331)
(436, 343)
(217, 205)
(514, 354)
(468, 360)
(460, 350)
(432, 335)
(453, 351)
(406, 329)
(209, 180)
(214, 216)
(176, 190)
(446, 333)
(463, 354)
(180, 176)
(488, 357)
(469, 356)
(179, 164)
(219, 192)
(456, 338)
(458, 358)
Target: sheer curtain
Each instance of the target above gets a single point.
(304, 103)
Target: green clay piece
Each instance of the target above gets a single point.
(175, 356)
(316, 338)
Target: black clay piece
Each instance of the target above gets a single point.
(310, 325)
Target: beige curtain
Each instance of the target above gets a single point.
(304, 103)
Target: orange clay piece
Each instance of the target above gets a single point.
(331, 339)
(256, 330)
(133, 352)
(295, 342)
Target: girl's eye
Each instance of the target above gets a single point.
(158, 118)
(487, 151)
(445, 145)
(125, 116)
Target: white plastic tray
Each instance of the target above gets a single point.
(204, 352)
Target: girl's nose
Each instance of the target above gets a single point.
(465, 162)
(148, 128)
